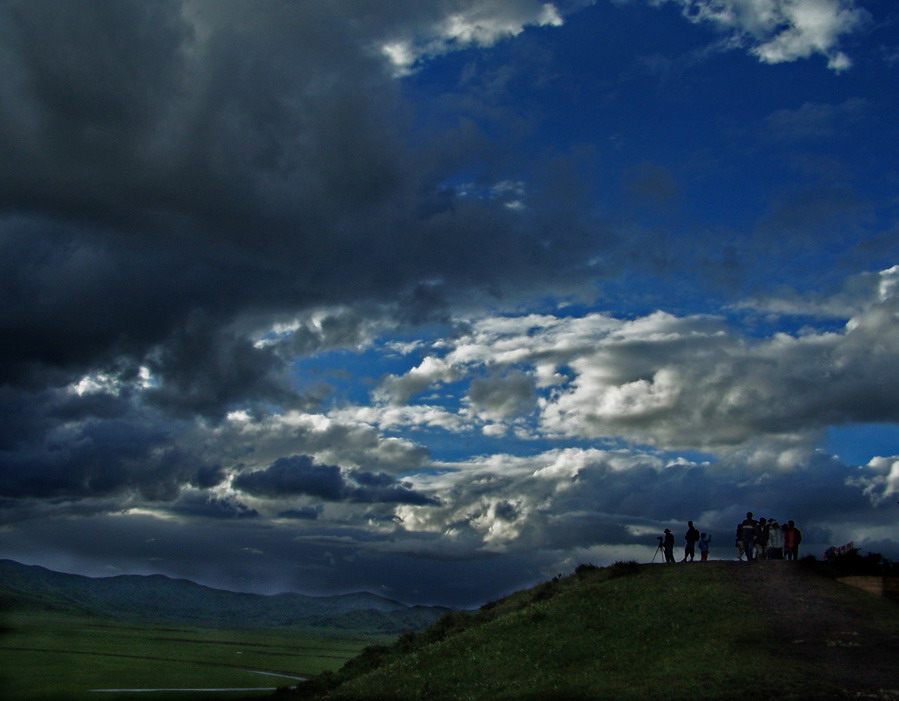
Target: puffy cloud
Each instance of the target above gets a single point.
(448, 26)
(879, 478)
(509, 503)
(344, 438)
(692, 382)
(431, 371)
(852, 300)
(324, 329)
(389, 417)
(503, 397)
(778, 31)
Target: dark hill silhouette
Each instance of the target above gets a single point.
(160, 598)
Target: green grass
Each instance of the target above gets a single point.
(47, 656)
(653, 633)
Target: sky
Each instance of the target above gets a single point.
(438, 300)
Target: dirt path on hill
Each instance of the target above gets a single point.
(850, 641)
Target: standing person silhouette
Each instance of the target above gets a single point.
(668, 544)
(704, 543)
(792, 539)
(761, 540)
(748, 531)
(690, 538)
(775, 541)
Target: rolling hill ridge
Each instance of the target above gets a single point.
(159, 598)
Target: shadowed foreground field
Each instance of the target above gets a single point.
(46, 656)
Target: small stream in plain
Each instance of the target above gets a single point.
(217, 690)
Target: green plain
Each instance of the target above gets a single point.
(49, 655)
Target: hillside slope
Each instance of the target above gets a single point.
(717, 630)
(159, 598)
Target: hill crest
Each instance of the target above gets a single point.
(158, 597)
(647, 632)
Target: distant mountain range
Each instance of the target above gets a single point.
(158, 598)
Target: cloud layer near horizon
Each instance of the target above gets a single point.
(358, 476)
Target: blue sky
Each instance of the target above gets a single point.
(440, 299)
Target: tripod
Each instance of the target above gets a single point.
(658, 550)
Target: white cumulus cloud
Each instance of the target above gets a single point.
(779, 31)
(676, 382)
(464, 24)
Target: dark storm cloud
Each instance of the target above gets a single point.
(301, 475)
(206, 506)
(308, 513)
(98, 457)
(238, 159)
(291, 476)
(57, 444)
(208, 476)
(151, 149)
(204, 369)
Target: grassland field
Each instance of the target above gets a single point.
(47, 656)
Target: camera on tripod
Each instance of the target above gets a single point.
(659, 548)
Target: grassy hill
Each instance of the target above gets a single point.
(157, 598)
(717, 630)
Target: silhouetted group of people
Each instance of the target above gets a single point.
(762, 539)
(766, 539)
(692, 539)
